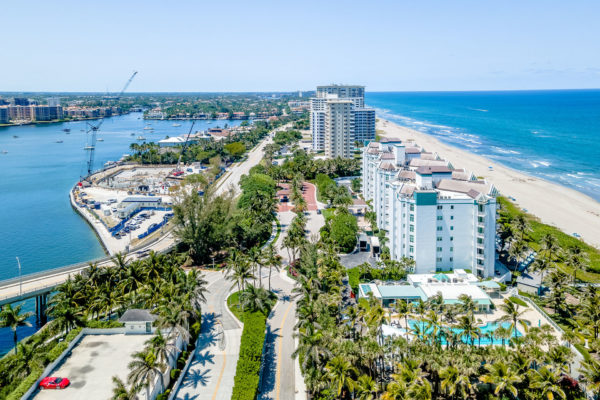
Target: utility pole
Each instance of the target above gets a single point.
(20, 279)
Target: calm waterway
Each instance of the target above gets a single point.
(37, 222)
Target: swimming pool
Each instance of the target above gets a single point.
(485, 330)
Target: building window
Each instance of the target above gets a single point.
(412, 207)
(411, 238)
(438, 249)
(452, 207)
(440, 207)
(451, 228)
(452, 217)
(439, 239)
(439, 218)
(412, 217)
(439, 228)
(439, 259)
(412, 228)
(451, 259)
(479, 240)
(451, 248)
(451, 238)
(411, 249)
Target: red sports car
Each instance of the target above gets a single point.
(53, 382)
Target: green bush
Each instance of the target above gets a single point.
(57, 350)
(247, 373)
(24, 385)
(175, 373)
(104, 324)
(354, 279)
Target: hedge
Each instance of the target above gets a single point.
(57, 350)
(25, 384)
(104, 324)
(247, 373)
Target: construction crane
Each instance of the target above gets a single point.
(93, 128)
(177, 171)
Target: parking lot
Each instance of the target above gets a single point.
(92, 364)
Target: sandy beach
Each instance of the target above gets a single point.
(556, 205)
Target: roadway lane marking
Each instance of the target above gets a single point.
(278, 377)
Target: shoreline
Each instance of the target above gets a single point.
(556, 205)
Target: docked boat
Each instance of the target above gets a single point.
(59, 141)
(140, 138)
(176, 125)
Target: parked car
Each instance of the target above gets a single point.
(53, 382)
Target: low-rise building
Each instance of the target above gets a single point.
(131, 205)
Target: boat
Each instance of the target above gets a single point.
(148, 128)
(15, 136)
(59, 141)
(88, 148)
(176, 125)
(67, 130)
(82, 130)
(4, 151)
(140, 138)
(100, 140)
(132, 134)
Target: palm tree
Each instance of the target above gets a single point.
(576, 259)
(238, 270)
(548, 382)
(517, 251)
(340, 372)
(67, 317)
(503, 378)
(120, 391)
(12, 318)
(272, 260)
(133, 277)
(512, 315)
(591, 375)
(454, 382)
(255, 299)
(366, 388)
(467, 305)
(468, 326)
(162, 347)
(521, 224)
(144, 369)
(542, 265)
(120, 260)
(174, 317)
(195, 287)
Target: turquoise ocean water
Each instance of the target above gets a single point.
(552, 134)
(37, 223)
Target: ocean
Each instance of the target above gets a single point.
(551, 134)
(37, 222)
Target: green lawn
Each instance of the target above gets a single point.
(233, 302)
(539, 229)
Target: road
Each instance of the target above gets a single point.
(281, 378)
(30, 287)
(212, 371)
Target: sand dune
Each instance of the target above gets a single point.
(556, 205)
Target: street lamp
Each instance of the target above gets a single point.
(20, 280)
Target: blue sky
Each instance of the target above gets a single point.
(290, 45)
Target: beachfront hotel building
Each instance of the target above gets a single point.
(441, 217)
(337, 137)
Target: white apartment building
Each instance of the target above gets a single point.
(362, 127)
(443, 218)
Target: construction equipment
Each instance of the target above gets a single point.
(93, 129)
(178, 171)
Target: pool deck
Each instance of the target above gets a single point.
(532, 315)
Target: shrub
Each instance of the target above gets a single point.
(247, 373)
(518, 301)
(104, 324)
(175, 373)
(25, 384)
